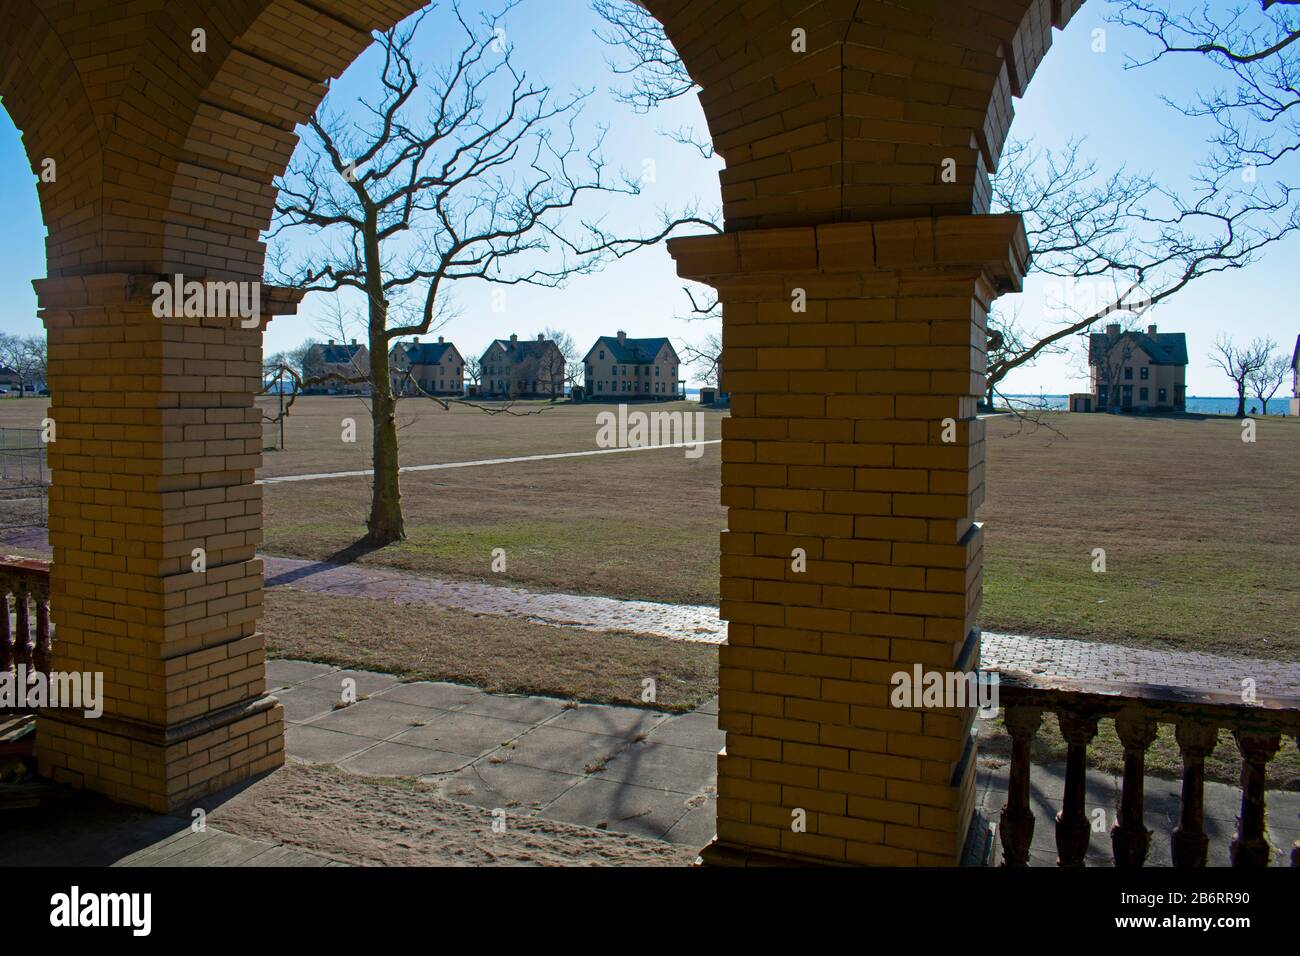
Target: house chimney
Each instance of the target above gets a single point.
(440, 340)
(514, 337)
(541, 337)
(1112, 331)
(1151, 331)
(331, 341)
(622, 337)
(354, 341)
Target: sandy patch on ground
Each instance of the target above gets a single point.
(399, 823)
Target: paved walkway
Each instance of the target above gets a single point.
(638, 771)
(684, 622)
(1056, 657)
(366, 473)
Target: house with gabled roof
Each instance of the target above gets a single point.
(435, 368)
(335, 367)
(528, 369)
(619, 368)
(1138, 371)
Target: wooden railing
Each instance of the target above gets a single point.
(1137, 710)
(24, 614)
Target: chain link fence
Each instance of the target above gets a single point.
(24, 478)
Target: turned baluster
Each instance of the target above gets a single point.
(1073, 829)
(1189, 843)
(1017, 820)
(1295, 847)
(1250, 844)
(1129, 838)
(22, 630)
(44, 652)
(6, 636)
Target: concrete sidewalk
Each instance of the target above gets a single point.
(642, 772)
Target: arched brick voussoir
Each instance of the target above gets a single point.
(44, 94)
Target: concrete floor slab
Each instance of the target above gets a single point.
(566, 751)
(697, 731)
(389, 759)
(529, 710)
(317, 745)
(376, 718)
(664, 767)
(462, 733)
(507, 785)
(366, 682)
(438, 694)
(626, 722)
(608, 804)
(302, 704)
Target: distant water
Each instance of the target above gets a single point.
(1195, 405)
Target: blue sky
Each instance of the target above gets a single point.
(1077, 93)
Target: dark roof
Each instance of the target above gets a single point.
(338, 354)
(524, 348)
(1164, 348)
(632, 351)
(1295, 356)
(424, 353)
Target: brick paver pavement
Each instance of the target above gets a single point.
(1055, 657)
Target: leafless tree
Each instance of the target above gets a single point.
(1257, 49)
(1119, 243)
(1268, 379)
(462, 173)
(572, 372)
(706, 359)
(26, 355)
(1241, 364)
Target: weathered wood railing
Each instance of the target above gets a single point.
(24, 614)
(1197, 718)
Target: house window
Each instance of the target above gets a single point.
(602, 355)
(1142, 394)
(1144, 373)
(656, 371)
(1164, 394)
(1128, 374)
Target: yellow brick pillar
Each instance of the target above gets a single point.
(852, 466)
(156, 444)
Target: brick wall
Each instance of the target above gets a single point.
(836, 447)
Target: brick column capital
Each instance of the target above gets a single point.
(135, 291)
(996, 245)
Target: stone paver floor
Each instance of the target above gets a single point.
(638, 771)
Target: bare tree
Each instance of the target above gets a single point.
(26, 355)
(1117, 243)
(572, 372)
(465, 174)
(1268, 379)
(1241, 364)
(1257, 109)
(706, 359)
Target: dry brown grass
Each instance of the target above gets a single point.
(1199, 529)
(499, 654)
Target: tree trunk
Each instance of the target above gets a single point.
(1241, 402)
(386, 523)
